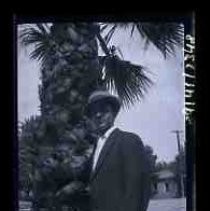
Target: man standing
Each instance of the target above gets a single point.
(120, 178)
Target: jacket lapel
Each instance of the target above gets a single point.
(104, 152)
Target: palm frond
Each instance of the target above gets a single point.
(123, 25)
(33, 34)
(128, 80)
(39, 36)
(109, 35)
(111, 31)
(120, 52)
(44, 28)
(165, 36)
(132, 29)
(103, 27)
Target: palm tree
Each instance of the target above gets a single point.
(60, 45)
(71, 68)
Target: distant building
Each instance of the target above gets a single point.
(164, 184)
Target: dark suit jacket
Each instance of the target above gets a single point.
(121, 180)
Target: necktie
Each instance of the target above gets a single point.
(90, 160)
(93, 153)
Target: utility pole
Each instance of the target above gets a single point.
(179, 163)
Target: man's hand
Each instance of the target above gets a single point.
(70, 188)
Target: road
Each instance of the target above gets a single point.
(167, 205)
(154, 205)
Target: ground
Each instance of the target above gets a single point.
(157, 205)
(167, 205)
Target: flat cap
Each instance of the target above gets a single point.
(104, 96)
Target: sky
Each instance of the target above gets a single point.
(153, 118)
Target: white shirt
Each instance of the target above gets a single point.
(102, 140)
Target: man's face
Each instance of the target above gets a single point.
(101, 117)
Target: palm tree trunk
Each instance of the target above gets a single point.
(70, 74)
